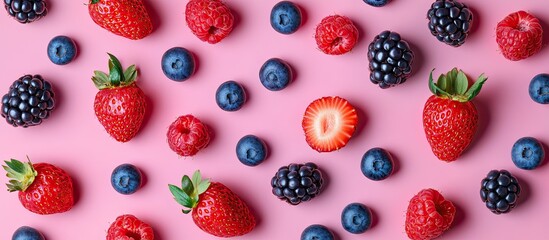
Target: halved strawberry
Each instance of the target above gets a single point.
(329, 123)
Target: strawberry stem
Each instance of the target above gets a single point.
(454, 85)
(117, 77)
(21, 175)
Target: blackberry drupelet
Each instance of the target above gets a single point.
(26, 11)
(29, 100)
(297, 183)
(450, 21)
(390, 59)
(500, 191)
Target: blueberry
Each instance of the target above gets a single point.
(27, 233)
(251, 150)
(126, 179)
(275, 74)
(376, 164)
(376, 3)
(230, 96)
(61, 50)
(527, 153)
(178, 64)
(317, 232)
(539, 88)
(285, 17)
(356, 218)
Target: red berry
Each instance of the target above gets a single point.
(129, 227)
(336, 35)
(126, 18)
(210, 20)
(428, 215)
(519, 35)
(188, 135)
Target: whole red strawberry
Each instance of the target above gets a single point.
(210, 20)
(336, 35)
(519, 35)
(428, 215)
(43, 188)
(120, 104)
(450, 119)
(215, 208)
(129, 227)
(126, 18)
(188, 135)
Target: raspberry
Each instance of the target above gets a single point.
(188, 135)
(127, 227)
(519, 35)
(210, 20)
(336, 35)
(428, 215)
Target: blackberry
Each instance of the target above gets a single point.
(390, 59)
(26, 11)
(29, 100)
(297, 183)
(450, 21)
(500, 191)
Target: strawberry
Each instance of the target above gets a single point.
(519, 35)
(336, 35)
(215, 208)
(129, 227)
(428, 215)
(43, 188)
(210, 20)
(329, 123)
(120, 104)
(187, 135)
(450, 119)
(126, 18)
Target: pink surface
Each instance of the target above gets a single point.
(74, 140)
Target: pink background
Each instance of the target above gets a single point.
(74, 140)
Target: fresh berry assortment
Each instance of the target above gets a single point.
(127, 227)
(450, 119)
(329, 123)
(450, 21)
(126, 18)
(519, 35)
(317, 232)
(26, 11)
(209, 20)
(286, 17)
(215, 208)
(230, 96)
(27, 233)
(126, 179)
(336, 35)
(428, 215)
(275, 74)
(42, 187)
(539, 88)
(377, 164)
(29, 101)
(61, 50)
(120, 104)
(178, 64)
(251, 150)
(187, 135)
(390, 60)
(297, 183)
(500, 191)
(356, 218)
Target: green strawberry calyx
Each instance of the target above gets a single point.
(188, 194)
(454, 85)
(21, 174)
(117, 77)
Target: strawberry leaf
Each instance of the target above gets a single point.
(203, 186)
(187, 185)
(475, 88)
(180, 196)
(461, 83)
(442, 82)
(130, 74)
(197, 178)
(116, 74)
(434, 88)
